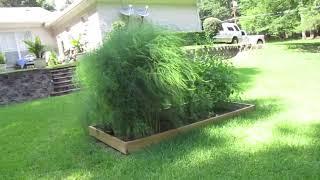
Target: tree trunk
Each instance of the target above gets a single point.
(312, 34)
(304, 36)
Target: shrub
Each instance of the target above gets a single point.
(212, 26)
(138, 71)
(118, 25)
(140, 83)
(77, 44)
(215, 84)
(2, 59)
(193, 38)
(36, 47)
(53, 59)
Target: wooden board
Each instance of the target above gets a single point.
(131, 146)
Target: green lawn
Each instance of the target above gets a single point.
(281, 139)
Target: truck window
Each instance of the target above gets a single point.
(236, 28)
(230, 29)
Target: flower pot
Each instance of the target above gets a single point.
(40, 63)
(3, 67)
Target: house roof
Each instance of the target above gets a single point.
(68, 13)
(25, 15)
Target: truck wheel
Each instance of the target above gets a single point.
(234, 40)
(260, 44)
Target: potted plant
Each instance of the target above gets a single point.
(79, 47)
(37, 48)
(2, 63)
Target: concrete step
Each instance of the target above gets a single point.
(61, 74)
(59, 93)
(62, 78)
(64, 87)
(72, 68)
(63, 82)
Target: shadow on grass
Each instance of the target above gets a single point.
(247, 77)
(206, 138)
(274, 162)
(312, 47)
(207, 155)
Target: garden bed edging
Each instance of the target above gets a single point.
(127, 147)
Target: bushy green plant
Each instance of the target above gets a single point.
(2, 59)
(53, 59)
(216, 83)
(140, 82)
(193, 38)
(77, 44)
(36, 47)
(118, 25)
(212, 26)
(138, 71)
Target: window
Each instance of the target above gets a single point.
(13, 47)
(230, 29)
(236, 27)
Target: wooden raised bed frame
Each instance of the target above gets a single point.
(131, 146)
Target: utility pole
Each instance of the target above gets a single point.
(234, 8)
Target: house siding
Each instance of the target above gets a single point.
(178, 18)
(85, 24)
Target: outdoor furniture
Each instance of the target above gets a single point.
(29, 64)
(21, 63)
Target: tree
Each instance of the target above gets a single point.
(310, 17)
(279, 17)
(220, 9)
(211, 26)
(27, 3)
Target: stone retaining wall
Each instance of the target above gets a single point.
(219, 51)
(26, 85)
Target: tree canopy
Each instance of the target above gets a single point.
(274, 17)
(27, 3)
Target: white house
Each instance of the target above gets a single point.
(90, 19)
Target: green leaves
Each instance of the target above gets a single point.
(35, 47)
(2, 59)
(140, 71)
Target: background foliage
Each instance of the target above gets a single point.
(2, 59)
(280, 18)
(27, 3)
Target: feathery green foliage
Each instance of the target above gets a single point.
(140, 79)
(138, 71)
(53, 59)
(35, 47)
(2, 59)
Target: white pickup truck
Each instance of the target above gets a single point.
(252, 39)
(231, 33)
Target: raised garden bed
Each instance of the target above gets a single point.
(126, 147)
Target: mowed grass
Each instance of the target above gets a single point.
(45, 139)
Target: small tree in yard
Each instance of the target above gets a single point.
(211, 26)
